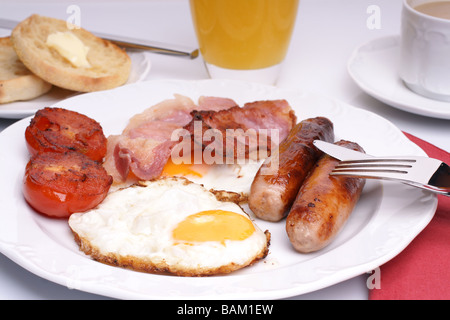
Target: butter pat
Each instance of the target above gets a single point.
(70, 47)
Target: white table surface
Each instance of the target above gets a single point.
(326, 33)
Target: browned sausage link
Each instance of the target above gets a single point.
(323, 205)
(278, 180)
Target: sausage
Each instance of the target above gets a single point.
(323, 204)
(277, 182)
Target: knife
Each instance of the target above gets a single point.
(339, 152)
(426, 173)
(128, 42)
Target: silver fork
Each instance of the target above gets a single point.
(426, 173)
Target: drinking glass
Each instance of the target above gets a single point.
(244, 39)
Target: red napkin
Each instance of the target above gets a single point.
(422, 270)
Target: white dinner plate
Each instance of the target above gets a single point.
(387, 218)
(140, 67)
(374, 68)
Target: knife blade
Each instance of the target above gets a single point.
(129, 42)
(338, 152)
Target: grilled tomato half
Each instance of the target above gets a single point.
(58, 184)
(61, 130)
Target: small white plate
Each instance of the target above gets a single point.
(140, 68)
(386, 219)
(374, 67)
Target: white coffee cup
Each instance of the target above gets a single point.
(425, 52)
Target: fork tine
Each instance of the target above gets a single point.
(376, 168)
(374, 160)
(375, 165)
(372, 174)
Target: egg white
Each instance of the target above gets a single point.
(228, 177)
(138, 222)
(236, 178)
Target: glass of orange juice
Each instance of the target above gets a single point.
(244, 39)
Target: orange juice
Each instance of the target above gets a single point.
(244, 34)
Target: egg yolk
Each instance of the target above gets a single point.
(213, 225)
(172, 170)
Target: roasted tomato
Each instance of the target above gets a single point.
(61, 130)
(59, 184)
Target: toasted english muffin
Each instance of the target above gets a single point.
(16, 81)
(109, 65)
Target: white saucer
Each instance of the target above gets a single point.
(373, 66)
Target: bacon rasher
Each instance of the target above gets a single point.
(242, 133)
(145, 145)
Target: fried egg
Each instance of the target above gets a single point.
(233, 177)
(170, 225)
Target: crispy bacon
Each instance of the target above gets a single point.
(252, 128)
(145, 145)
